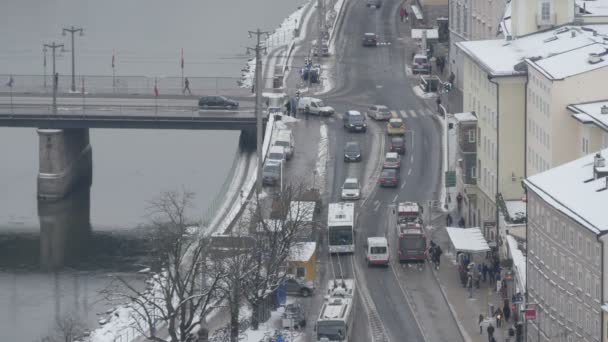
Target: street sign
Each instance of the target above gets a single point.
(450, 179)
(530, 314)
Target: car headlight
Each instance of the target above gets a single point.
(364, 125)
(351, 125)
(358, 155)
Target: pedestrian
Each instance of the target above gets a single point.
(288, 107)
(452, 77)
(440, 64)
(470, 283)
(294, 108)
(10, 81)
(438, 253)
(498, 316)
(448, 220)
(511, 334)
(484, 271)
(480, 320)
(492, 277)
(402, 14)
(492, 339)
(461, 222)
(438, 102)
(459, 202)
(490, 331)
(506, 310)
(186, 86)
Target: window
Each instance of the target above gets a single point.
(471, 135)
(473, 172)
(479, 135)
(300, 272)
(598, 290)
(545, 11)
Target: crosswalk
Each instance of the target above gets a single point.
(403, 113)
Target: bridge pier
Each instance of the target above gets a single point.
(65, 161)
(247, 139)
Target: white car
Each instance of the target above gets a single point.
(351, 190)
(376, 251)
(379, 112)
(315, 106)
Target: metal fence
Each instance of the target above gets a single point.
(123, 85)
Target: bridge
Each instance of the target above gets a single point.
(65, 153)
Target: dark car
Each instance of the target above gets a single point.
(397, 144)
(389, 177)
(352, 151)
(294, 316)
(298, 286)
(376, 3)
(370, 39)
(217, 102)
(354, 121)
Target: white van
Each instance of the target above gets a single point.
(285, 139)
(376, 251)
(313, 105)
(276, 153)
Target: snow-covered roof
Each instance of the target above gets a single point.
(430, 33)
(469, 240)
(592, 7)
(504, 26)
(519, 262)
(550, 51)
(516, 208)
(302, 251)
(591, 113)
(466, 116)
(377, 241)
(570, 189)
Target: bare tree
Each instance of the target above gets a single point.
(68, 328)
(185, 289)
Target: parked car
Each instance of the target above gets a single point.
(313, 105)
(351, 189)
(379, 112)
(389, 178)
(395, 126)
(352, 151)
(271, 172)
(354, 121)
(421, 64)
(220, 102)
(285, 139)
(277, 153)
(392, 160)
(298, 286)
(294, 316)
(397, 144)
(375, 3)
(370, 39)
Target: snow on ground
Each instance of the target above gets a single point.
(283, 35)
(327, 82)
(322, 157)
(421, 93)
(337, 9)
(269, 327)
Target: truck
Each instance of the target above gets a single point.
(412, 242)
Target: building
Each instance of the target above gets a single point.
(302, 260)
(471, 20)
(567, 275)
(466, 166)
(592, 125)
(520, 90)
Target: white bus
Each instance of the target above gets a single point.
(335, 321)
(340, 227)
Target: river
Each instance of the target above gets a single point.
(95, 233)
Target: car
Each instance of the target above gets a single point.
(389, 178)
(271, 172)
(352, 151)
(395, 126)
(421, 64)
(397, 144)
(351, 189)
(375, 3)
(392, 160)
(294, 317)
(354, 121)
(277, 153)
(379, 112)
(220, 102)
(298, 286)
(313, 105)
(370, 39)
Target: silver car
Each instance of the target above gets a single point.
(271, 173)
(351, 190)
(379, 112)
(392, 160)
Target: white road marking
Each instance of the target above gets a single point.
(393, 114)
(403, 185)
(409, 172)
(395, 198)
(377, 206)
(412, 113)
(412, 158)
(403, 113)
(379, 86)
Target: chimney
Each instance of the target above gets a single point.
(604, 109)
(572, 34)
(599, 166)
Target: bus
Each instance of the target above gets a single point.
(409, 212)
(340, 227)
(412, 242)
(335, 320)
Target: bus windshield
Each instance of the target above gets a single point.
(408, 218)
(332, 330)
(412, 243)
(340, 235)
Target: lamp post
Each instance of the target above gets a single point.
(54, 46)
(73, 30)
(44, 50)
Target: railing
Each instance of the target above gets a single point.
(82, 109)
(124, 85)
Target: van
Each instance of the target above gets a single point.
(420, 64)
(376, 251)
(313, 105)
(276, 153)
(285, 139)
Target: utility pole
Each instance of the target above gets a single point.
(321, 11)
(44, 50)
(73, 30)
(258, 99)
(54, 46)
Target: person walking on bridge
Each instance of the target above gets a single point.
(186, 86)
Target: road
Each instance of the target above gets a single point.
(402, 302)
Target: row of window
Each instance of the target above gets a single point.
(537, 100)
(536, 160)
(539, 133)
(580, 242)
(489, 149)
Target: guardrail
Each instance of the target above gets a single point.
(81, 109)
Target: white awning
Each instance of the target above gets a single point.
(468, 240)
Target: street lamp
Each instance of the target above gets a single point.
(73, 30)
(44, 50)
(54, 46)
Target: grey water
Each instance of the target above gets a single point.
(97, 232)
